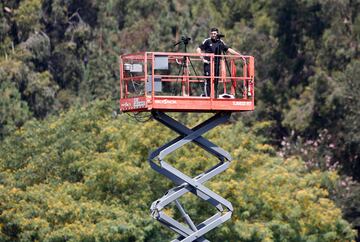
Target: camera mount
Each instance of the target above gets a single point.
(184, 39)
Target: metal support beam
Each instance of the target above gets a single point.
(191, 232)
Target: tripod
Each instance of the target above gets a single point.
(184, 68)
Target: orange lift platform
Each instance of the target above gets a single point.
(160, 82)
(174, 82)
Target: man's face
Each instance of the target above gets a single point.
(213, 35)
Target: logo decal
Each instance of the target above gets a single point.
(165, 101)
(126, 105)
(241, 103)
(139, 104)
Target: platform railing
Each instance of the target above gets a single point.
(154, 74)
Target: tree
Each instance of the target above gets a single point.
(14, 111)
(350, 123)
(81, 176)
(27, 18)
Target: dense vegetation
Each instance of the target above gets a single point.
(58, 54)
(81, 177)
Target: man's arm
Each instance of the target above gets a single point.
(198, 50)
(233, 52)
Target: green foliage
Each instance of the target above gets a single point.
(83, 177)
(348, 81)
(301, 111)
(27, 17)
(58, 53)
(350, 124)
(13, 110)
(40, 93)
(348, 196)
(68, 69)
(36, 51)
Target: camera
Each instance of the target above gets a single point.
(185, 39)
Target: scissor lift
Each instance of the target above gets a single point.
(159, 82)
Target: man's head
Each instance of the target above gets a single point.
(213, 33)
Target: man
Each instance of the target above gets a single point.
(213, 45)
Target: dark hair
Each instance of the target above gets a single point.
(214, 29)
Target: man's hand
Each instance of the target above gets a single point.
(198, 50)
(206, 61)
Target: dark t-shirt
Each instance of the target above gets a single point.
(213, 46)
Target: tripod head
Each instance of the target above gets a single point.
(184, 39)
